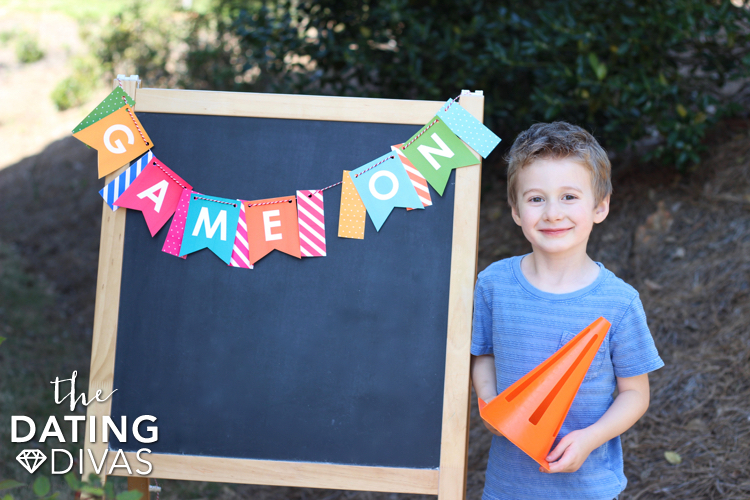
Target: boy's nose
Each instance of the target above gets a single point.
(552, 212)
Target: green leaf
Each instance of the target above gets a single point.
(9, 483)
(94, 490)
(2, 339)
(73, 481)
(8, 497)
(681, 111)
(41, 486)
(130, 495)
(672, 457)
(53, 496)
(109, 490)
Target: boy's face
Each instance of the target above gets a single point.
(556, 206)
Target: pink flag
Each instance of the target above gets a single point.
(177, 228)
(312, 229)
(156, 193)
(240, 252)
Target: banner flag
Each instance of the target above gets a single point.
(176, 230)
(241, 248)
(468, 128)
(312, 224)
(272, 225)
(119, 184)
(114, 101)
(352, 212)
(156, 193)
(211, 223)
(118, 137)
(383, 185)
(435, 151)
(417, 179)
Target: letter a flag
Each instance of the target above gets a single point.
(211, 223)
(435, 151)
(241, 247)
(119, 138)
(383, 184)
(119, 184)
(272, 225)
(417, 179)
(176, 230)
(312, 224)
(156, 193)
(468, 128)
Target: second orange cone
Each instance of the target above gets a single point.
(531, 411)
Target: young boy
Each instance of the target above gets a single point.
(527, 307)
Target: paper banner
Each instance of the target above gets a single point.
(211, 223)
(383, 185)
(241, 248)
(312, 228)
(435, 151)
(352, 212)
(118, 138)
(109, 105)
(174, 237)
(119, 184)
(417, 179)
(156, 193)
(468, 128)
(272, 225)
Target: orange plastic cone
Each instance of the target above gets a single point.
(531, 411)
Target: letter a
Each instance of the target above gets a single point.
(203, 219)
(428, 151)
(160, 186)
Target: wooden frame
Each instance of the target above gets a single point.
(449, 481)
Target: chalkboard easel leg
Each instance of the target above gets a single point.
(139, 484)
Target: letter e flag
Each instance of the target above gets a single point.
(383, 184)
(156, 193)
(118, 137)
(211, 223)
(272, 225)
(435, 151)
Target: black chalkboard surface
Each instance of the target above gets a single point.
(327, 359)
(348, 371)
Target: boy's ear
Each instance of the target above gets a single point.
(514, 213)
(601, 210)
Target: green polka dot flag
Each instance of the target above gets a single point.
(109, 105)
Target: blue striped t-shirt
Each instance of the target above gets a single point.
(522, 326)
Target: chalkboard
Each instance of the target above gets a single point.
(336, 363)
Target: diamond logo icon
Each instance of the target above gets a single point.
(31, 459)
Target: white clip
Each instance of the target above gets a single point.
(152, 488)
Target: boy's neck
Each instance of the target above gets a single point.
(559, 274)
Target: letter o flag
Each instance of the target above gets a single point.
(391, 193)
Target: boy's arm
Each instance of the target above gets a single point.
(484, 378)
(630, 404)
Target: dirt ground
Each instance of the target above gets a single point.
(682, 241)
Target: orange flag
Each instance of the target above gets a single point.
(272, 225)
(118, 137)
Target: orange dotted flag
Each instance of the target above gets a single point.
(118, 137)
(353, 212)
(272, 225)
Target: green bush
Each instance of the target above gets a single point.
(77, 88)
(625, 70)
(27, 49)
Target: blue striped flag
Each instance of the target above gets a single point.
(119, 184)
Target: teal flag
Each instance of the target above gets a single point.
(383, 184)
(211, 223)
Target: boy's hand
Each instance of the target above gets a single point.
(491, 429)
(570, 452)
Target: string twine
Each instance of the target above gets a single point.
(390, 157)
(285, 200)
(135, 122)
(183, 186)
(215, 201)
(421, 132)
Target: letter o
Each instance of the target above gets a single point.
(391, 193)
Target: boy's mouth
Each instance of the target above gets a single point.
(555, 232)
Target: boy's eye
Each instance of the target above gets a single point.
(535, 199)
(568, 197)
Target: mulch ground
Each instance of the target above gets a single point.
(682, 241)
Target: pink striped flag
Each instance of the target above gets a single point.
(240, 252)
(417, 179)
(312, 229)
(177, 228)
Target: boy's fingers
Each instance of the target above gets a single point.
(558, 451)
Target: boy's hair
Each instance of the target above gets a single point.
(557, 140)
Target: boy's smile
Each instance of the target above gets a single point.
(556, 206)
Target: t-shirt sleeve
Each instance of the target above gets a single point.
(631, 344)
(481, 332)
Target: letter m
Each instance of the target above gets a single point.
(203, 219)
(428, 151)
